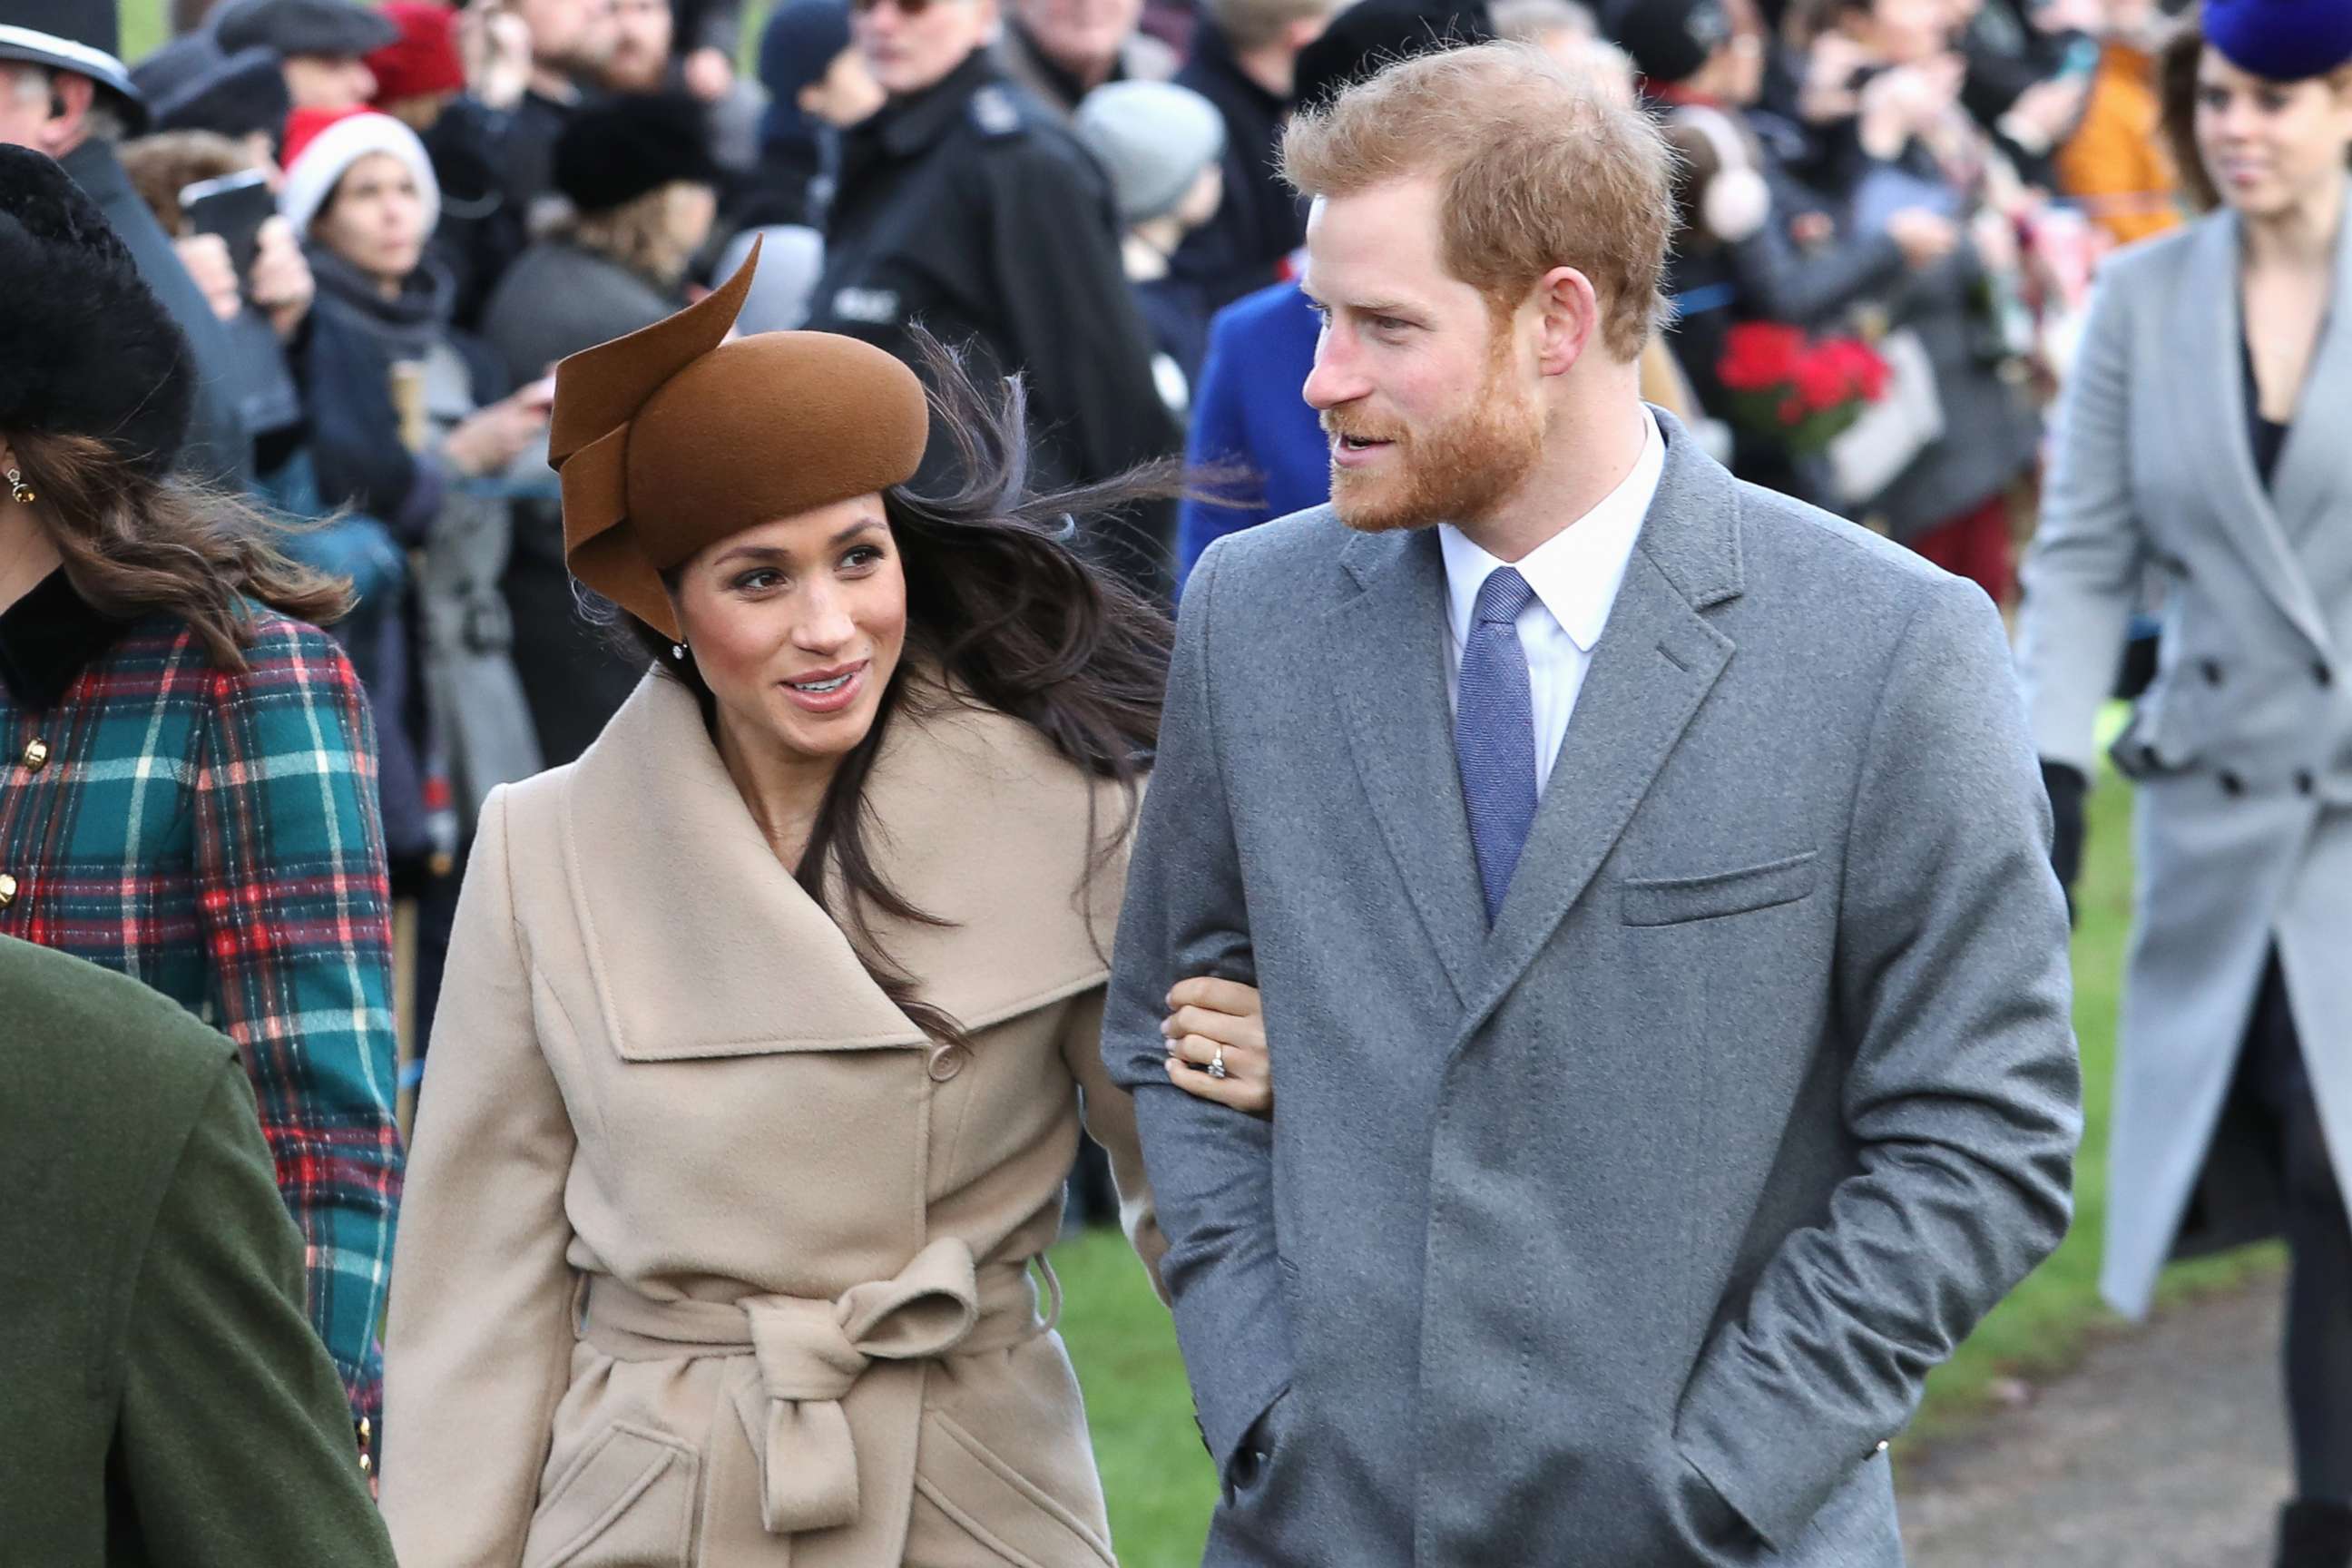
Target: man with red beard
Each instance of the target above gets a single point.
(1645, 877)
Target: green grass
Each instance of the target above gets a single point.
(145, 26)
(1159, 1481)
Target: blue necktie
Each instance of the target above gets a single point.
(1495, 734)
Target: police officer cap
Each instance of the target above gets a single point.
(336, 29)
(670, 440)
(2283, 40)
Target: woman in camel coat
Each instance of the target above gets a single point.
(757, 1068)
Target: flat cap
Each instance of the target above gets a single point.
(335, 29)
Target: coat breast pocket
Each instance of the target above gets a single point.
(1673, 900)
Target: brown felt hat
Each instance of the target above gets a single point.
(671, 439)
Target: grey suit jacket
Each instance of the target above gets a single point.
(1625, 1233)
(2240, 747)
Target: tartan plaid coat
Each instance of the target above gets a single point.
(215, 835)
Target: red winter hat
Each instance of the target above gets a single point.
(424, 60)
(302, 128)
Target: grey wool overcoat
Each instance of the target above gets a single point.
(2241, 746)
(1623, 1234)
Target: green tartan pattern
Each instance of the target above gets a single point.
(215, 835)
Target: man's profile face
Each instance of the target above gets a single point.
(328, 82)
(1430, 403)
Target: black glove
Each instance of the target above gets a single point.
(2065, 786)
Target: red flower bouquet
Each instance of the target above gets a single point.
(1800, 394)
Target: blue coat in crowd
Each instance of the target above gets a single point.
(1248, 409)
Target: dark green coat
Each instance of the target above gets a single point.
(162, 1399)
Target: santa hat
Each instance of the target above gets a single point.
(321, 145)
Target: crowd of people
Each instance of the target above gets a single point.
(524, 344)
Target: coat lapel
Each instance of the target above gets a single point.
(702, 944)
(1386, 657)
(2208, 314)
(1655, 662)
(2310, 469)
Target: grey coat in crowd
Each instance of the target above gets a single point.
(220, 444)
(1623, 1233)
(481, 720)
(2241, 746)
(1991, 433)
(559, 298)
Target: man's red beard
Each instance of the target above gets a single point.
(1457, 472)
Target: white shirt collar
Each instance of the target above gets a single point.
(1577, 572)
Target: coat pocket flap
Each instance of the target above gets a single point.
(1003, 1509)
(628, 1498)
(1670, 901)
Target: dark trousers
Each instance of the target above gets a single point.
(2318, 1348)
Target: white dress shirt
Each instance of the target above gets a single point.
(1575, 574)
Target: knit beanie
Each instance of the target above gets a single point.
(321, 145)
(1153, 138)
(612, 152)
(799, 45)
(2283, 40)
(1372, 34)
(1670, 41)
(424, 60)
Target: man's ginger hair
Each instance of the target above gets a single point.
(1537, 168)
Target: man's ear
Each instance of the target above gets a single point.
(1567, 320)
(70, 96)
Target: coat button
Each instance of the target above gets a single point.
(2304, 783)
(2321, 673)
(37, 754)
(8, 889)
(946, 1062)
(2212, 669)
(2232, 783)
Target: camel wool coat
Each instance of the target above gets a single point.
(709, 1256)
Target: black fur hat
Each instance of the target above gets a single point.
(85, 348)
(611, 153)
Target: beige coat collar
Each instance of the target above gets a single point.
(702, 944)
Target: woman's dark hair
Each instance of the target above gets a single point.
(1001, 602)
(2176, 88)
(133, 544)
